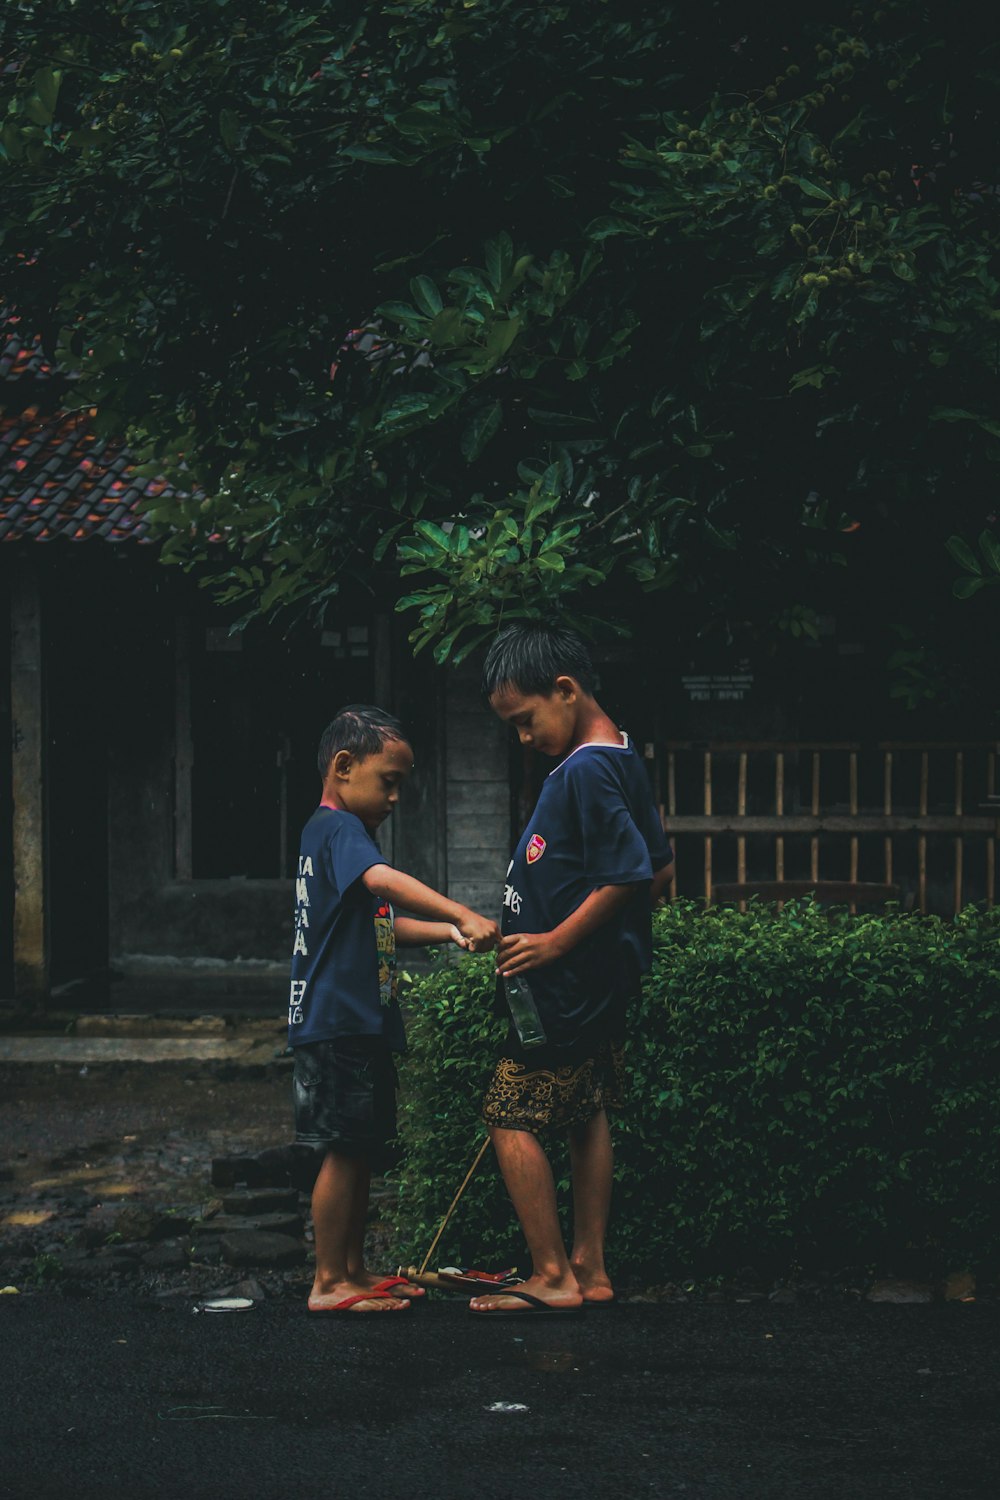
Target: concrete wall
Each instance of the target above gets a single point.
(477, 795)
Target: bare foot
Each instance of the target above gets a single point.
(595, 1285)
(557, 1294)
(330, 1298)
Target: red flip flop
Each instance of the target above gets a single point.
(345, 1306)
(388, 1282)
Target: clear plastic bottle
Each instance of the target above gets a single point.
(524, 1011)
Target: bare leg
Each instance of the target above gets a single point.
(592, 1162)
(528, 1177)
(342, 1185)
(357, 1219)
(356, 1248)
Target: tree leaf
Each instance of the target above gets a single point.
(963, 554)
(47, 81)
(499, 259)
(989, 546)
(385, 541)
(609, 225)
(482, 428)
(229, 128)
(502, 334)
(434, 534)
(404, 409)
(400, 312)
(564, 420)
(377, 156)
(426, 295)
(811, 190)
(956, 414)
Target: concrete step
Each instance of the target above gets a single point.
(242, 1050)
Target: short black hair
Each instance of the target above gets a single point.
(530, 657)
(360, 728)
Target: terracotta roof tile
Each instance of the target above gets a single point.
(57, 479)
(20, 357)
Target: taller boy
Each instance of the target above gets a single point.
(576, 925)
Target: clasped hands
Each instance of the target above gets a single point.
(515, 953)
(474, 933)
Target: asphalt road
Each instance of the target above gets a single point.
(104, 1397)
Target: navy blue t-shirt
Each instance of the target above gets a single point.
(594, 825)
(344, 954)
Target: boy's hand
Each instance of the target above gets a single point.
(456, 937)
(526, 950)
(481, 933)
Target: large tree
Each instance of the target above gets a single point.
(537, 302)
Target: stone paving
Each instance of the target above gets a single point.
(106, 1171)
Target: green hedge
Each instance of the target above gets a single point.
(806, 1088)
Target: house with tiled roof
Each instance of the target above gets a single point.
(161, 764)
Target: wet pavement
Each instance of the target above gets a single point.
(755, 1401)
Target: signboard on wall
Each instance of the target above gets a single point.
(717, 687)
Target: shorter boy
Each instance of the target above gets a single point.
(576, 930)
(343, 1018)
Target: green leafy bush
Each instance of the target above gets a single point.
(805, 1087)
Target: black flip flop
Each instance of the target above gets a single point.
(535, 1306)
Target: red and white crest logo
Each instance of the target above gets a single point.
(535, 849)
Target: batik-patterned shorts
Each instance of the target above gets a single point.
(523, 1096)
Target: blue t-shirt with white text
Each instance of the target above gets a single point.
(594, 825)
(343, 980)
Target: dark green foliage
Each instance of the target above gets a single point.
(453, 1038)
(659, 303)
(805, 1087)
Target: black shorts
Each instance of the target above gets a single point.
(345, 1098)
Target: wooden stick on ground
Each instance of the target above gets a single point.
(454, 1204)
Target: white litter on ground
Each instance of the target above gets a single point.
(226, 1304)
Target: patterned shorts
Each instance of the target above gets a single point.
(523, 1097)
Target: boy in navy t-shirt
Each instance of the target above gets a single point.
(343, 1018)
(576, 929)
